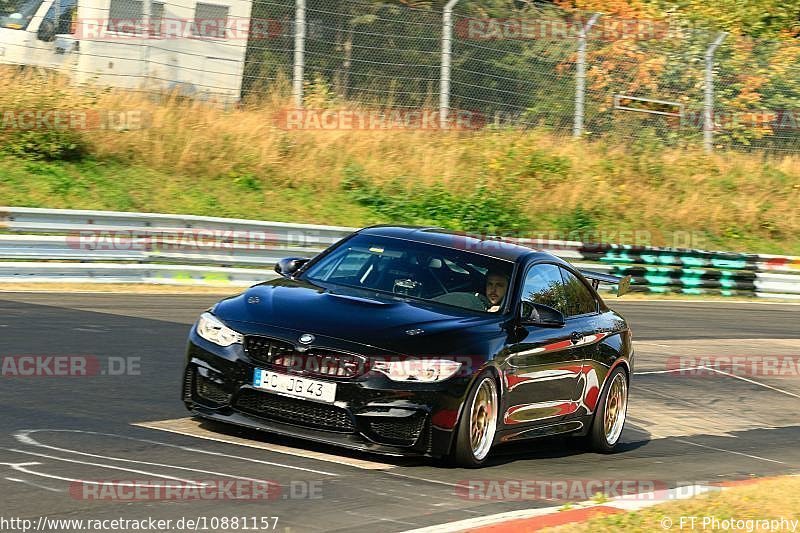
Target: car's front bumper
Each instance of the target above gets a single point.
(371, 412)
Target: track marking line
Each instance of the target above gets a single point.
(684, 441)
(100, 465)
(754, 382)
(191, 428)
(648, 372)
(20, 467)
(392, 495)
(643, 343)
(59, 478)
(32, 484)
(380, 518)
(733, 452)
(23, 436)
(456, 485)
(481, 521)
(148, 463)
(757, 424)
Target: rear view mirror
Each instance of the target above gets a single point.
(535, 314)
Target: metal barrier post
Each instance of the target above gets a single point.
(447, 57)
(708, 106)
(580, 78)
(299, 52)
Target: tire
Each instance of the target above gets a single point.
(610, 415)
(478, 425)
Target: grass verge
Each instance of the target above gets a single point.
(194, 158)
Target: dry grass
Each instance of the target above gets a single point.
(767, 500)
(737, 201)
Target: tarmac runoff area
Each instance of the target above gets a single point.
(714, 399)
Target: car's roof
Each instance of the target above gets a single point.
(490, 247)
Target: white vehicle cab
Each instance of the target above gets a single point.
(197, 47)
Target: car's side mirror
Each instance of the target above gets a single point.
(288, 266)
(535, 314)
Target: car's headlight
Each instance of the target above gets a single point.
(423, 370)
(211, 329)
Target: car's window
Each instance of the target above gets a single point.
(127, 16)
(543, 285)
(579, 300)
(210, 21)
(347, 266)
(17, 14)
(62, 16)
(416, 270)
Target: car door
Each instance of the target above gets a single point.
(584, 320)
(56, 44)
(543, 367)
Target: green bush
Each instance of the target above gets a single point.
(546, 167)
(481, 211)
(46, 145)
(577, 223)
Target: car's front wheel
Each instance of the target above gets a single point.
(612, 410)
(478, 425)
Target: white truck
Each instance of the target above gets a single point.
(195, 47)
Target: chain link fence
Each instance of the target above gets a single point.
(513, 64)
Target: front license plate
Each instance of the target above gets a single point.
(310, 389)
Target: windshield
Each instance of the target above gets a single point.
(420, 271)
(17, 14)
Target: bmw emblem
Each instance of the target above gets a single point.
(306, 338)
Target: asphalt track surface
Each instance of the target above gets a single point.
(56, 430)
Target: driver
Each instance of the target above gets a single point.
(496, 287)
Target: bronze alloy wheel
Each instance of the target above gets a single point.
(483, 418)
(616, 408)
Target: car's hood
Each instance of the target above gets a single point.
(355, 315)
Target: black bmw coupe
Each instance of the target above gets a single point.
(417, 341)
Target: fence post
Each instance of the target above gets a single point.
(299, 52)
(580, 78)
(447, 55)
(708, 106)
(147, 17)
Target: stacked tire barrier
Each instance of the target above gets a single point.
(59, 245)
(667, 270)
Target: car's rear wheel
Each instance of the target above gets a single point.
(478, 425)
(611, 413)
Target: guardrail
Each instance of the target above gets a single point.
(47, 245)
